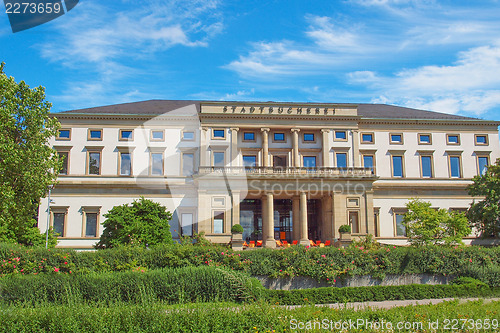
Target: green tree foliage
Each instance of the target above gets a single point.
(143, 223)
(485, 214)
(425, 225)
(27, 164)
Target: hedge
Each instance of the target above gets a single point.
(226, 318)
(326, 263)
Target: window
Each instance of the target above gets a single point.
(91, 224)
(367, 138)
(426, 166)
(397, 166)
(424, 139)
(248, 136)
(352, 202)
(187, 164)
(310, 161)
(58, 223)
(187, 224)
(189, 136)
(94, 134)
(455, 167)
(481, 139)
(308, 137)
(157, 135)
(354, 222)
(125, 164)
(279, 137)
(279, 161)
(218, 134)
(156, 164)
(452, 139)
(368, 161)
(396, 138)
(400, 228)
(340, 136)
(218, 222)
(94, 163)
(63, 134)
(341, 160)
(65, 164)
(482, 164)
(249, 160)
(218, 159)
(126, 135)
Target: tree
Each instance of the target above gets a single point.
(485, 214)
(27, 164)
(143, 223)
(425, 225)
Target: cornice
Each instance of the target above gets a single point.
(444, 122)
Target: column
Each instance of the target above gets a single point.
(295, 218)
(203, 147)
(327, 218)
(304, 238)
(265, 146)
(263, 203)
(270, 242)
(295, 147)
(370, 218)
(236, 207)
(355, 148)
(234, 146)
(326, 148)
(339, 213)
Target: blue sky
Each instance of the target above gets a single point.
(435, 55)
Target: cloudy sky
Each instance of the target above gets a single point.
(435, 55)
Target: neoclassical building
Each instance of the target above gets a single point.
(289, 171)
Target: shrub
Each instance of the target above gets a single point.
(237, 228)
(345, 228)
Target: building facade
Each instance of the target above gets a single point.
(286, 171)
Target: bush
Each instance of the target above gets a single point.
(345, 228)
(237, 228)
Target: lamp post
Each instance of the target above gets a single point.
(48, 219)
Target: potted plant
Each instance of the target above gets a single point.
(236, 238)
(345, 232)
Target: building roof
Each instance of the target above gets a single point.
(158, 107)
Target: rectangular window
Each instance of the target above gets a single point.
(94, 163)
(354, 222)
(65, 164)
(64, 134)
(189, 136)
(219, 134)
(279, 161)
(187, 164)
(400, 228)
(397, 166)
(481, 139)
(455, 167)
(218, 222)
(309, 161)
(91, 225)
(157, 135)
(308, 137)
(125, 164)
(126, 135)
(95, 134)
(368, 161)
(219, 159)
(424, 139)
(156, 164)
(452, 139)
(367, 138)
(58, 224)
(249, 160)
(482, 163)
(341, 160)
(279, 137)
(396, 138)
(187, 224)
(340, 136)
(426, 164)
(248, 136)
